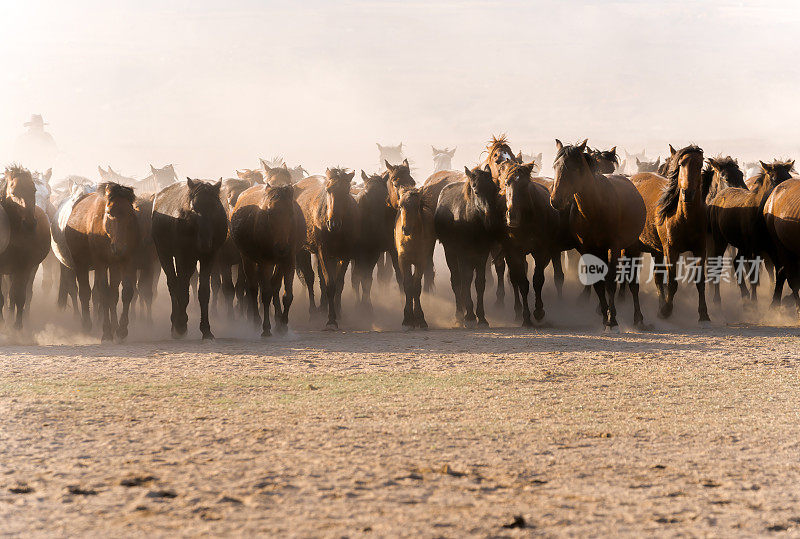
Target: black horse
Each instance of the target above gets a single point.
(189, 226)
(468, 222)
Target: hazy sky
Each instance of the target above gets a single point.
(210, 86)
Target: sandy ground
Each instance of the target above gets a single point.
(676, 431)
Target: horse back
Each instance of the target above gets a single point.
(782, 215)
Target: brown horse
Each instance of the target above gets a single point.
(736, 216)
(468, 221)
(676, 223)
(26, 232)
(332, 234)
(414, 240)
(268, 228)
(607, 160)
(607, 215)
(533, 227)
(277, 176)
(377, 218)
(782, 218)
(103, 235)
(189, 226)
(251, 176)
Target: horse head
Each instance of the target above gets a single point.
(337, 193)
(390, 154)
(19, 195)
(397, 177)
(277, 175)
(720, 173)
(514, 181)
(250, 175)
(204, 207)
(498, 151)
(573, 173)
(483, 192)
(410, 210)
(607, 160)
(442, 158)
(120, 224)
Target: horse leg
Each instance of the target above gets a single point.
(128, 289)
(203, 295)
(252, 282)
(328, 277)
(85, 292)
(519, 278)
(702, 308)
(538, 284)
(341, 272)
(145, 290)
(227, 287)
(419, 315)
(558, 273)
(303, 259)
(323, 296)
(395, 266)
(611, 289)
(452, 259)
(265, 272)
(185, 270)
(370, 260)
(285, 271)
(114, 280)
(430, 276)
(480, 288)
(408, 288)
(101, 285)
(168, 267)
(500, 270)
(671, 286)
(466, 270)
(777, 293)
(19, 286)
(2, 300)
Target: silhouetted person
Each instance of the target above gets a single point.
(35, 148)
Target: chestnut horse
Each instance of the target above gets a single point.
(396, 178)
(782, 217)
(189, 226)
(676, 223)
(468, 222)
(25, 231)
(736, 216)
(607, 160)
(377, 218)
(606, 216)
(648, 166)
(533, 227)
(414, 240)
(332, 234)
(102, 234)
(268, 228)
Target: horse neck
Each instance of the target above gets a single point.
(588, 199)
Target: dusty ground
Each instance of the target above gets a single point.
(678, 431)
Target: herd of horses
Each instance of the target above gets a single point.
(245, 238)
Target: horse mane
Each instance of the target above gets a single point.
(762, 175)
(668, 202)
(15, 169)
(497, 142)
(735, 174)
(603, 154)
(113, 190)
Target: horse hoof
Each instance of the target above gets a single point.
(422, 324)
(208, 336)
(107, 338)
(612, 329)
(281, 329)
(470, 324)
(483, 324)
(527, 323)
(332, 325)
(704, 324)
(538, 314)
(408, 327)
(266, 333)
(665, 311)
(122, 333)
(178, 333)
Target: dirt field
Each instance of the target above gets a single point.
(678, 431)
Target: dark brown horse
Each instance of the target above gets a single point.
(414, 240)
(782, 217)
(377, 218)
(607, 215)
(736, 216)
(26, 233)
(268, 228)
(676, 223)
(189, 226)
(533, 227)
(103, 235)
(146, 259)
(332, 234)
(469, 221)
(607, 160)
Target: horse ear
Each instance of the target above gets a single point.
(350, 175)
(582, 145)
(388, 165)
(284, 166)
(467, 171)
(519, 157)
(190, 182)
(152, 169)
(637, 161)
(380, 148)
(765, 167)
(49, 174)
(434, 151)
(400, 146)
(658, 161)
(672, 151)
(217, 186)
(559, 146)
(405, 163)
(364, 176)
(539, 156)
(791, 164)
(613, 150)
(452, 152)
(487, 168)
